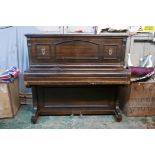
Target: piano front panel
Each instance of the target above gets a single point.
(73, 50)
(77, 99)
(76, 51)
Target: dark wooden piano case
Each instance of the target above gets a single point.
(76, 74)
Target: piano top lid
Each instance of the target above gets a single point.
(79, 35)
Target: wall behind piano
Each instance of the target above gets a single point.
(142, 44)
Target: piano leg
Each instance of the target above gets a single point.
(118, 114)
(35, 112)
(117, 111)
(35, 115)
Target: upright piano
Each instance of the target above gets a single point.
(76, 74)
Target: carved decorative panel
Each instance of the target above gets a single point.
(77, 49)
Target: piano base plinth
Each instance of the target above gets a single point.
(117, 114)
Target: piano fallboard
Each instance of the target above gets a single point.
(76, 77)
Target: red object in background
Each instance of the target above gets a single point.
(140, 71)
(10, 74)
(79, 31)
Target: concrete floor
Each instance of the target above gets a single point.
(23, 117)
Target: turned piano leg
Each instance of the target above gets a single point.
(118, 114)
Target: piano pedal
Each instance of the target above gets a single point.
(72, 114)
(81, 115)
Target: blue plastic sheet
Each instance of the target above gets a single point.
(13, 50)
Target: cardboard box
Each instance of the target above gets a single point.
(139, 99)
(9, 99)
